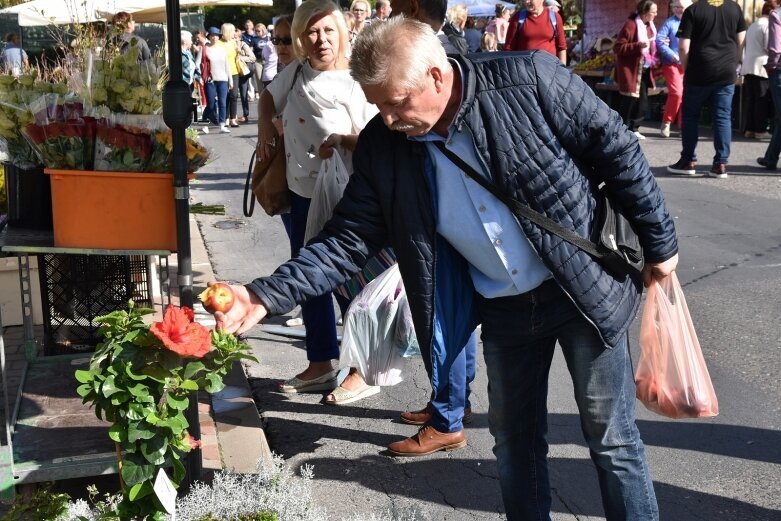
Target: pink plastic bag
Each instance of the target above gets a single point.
(671, 377)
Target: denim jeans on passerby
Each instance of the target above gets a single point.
(774, 148)
(719, 98)
(222, 101)
(317, 313)
(519, 336)
(210, 94)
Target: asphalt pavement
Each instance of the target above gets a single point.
(723, 468)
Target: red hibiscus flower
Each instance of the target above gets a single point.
(180, 334)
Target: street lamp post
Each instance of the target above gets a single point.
(177, 113)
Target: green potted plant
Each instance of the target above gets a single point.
(140, 379)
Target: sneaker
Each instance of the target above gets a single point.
(205, 129)
(665, 129)
(682, 167)
(639, 135)
(224, 129)
(718, 170)
(763, 162)
(748, 134)
(761, 135)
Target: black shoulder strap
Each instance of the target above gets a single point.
(521, 210)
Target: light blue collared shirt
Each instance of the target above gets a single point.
(481, 228)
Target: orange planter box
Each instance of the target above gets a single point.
(113, 210)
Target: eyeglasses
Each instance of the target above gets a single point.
(359, 10)
(282, 41)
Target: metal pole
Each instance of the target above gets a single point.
(177, 113)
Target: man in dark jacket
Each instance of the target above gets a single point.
(542, 137)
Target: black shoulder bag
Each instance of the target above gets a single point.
(616, 246)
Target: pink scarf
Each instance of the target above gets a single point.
(649, 52)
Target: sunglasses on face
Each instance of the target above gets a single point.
(359, 10)
(281, 41)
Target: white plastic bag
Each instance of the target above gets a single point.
(329, 188)
(406, 341)
(369, 340)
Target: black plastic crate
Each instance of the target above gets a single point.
(75, 289)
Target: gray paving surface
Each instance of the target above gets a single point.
(726, 468)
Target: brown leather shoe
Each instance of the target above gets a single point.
(428, 440)
(423, 416)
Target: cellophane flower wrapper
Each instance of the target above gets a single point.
(124, 143)
(162, 151)
(122, 84)
(60, 133)
(15, 97)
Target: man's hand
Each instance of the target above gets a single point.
(659, 271)
(247, 311)
(327, 146)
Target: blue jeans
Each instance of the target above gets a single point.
(317, 313)
(519, 337)
(774, 148)
(222, 102)
(719, 98)
(210, 112)
(450, 395)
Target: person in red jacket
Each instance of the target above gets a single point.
(534, 28)
(635, 50)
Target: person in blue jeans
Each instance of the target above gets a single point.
(710, 43)
(541, 136)
(770, 159)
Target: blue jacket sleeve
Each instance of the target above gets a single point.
(664, 34)
(355, 233)
(595, 137)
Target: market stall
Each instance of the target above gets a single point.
(104, 135)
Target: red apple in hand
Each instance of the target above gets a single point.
(217, 297)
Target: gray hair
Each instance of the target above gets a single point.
(187, 36)
(401, 49)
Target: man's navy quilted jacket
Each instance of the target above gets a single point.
(547, 140)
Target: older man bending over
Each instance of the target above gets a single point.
(541, 135)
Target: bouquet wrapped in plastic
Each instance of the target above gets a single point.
(124, 143)
(16, 95)
(162, 151)
(60, 133)
(122, 84)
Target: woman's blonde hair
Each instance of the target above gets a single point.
(488, 42)
(458, 14)
(308, 10)
(227, 30)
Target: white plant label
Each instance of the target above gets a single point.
(166, 493)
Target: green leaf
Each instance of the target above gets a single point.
(192, 368)
(214, 383)
(108, 388)
(139, 390)
(138, 411)
(154, 450)
(140, 490)
(135, 469)
(179, 471)
(133, 375)
(156, 373)
(117, 433)
(189, 385)
(176, 403)
(152, 418)
(119, 398)
(83, 376)
(84, 390)
(176, 423)
(138, 431)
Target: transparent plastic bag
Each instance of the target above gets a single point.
(672, 378)
(369, 336)
(329, 188)
(406, 341)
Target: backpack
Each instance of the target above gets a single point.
(551, 12)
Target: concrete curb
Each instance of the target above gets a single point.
(232, 433)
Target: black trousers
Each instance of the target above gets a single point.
(757, 103)
(631, 109)
(244, 93)
(233, 98)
